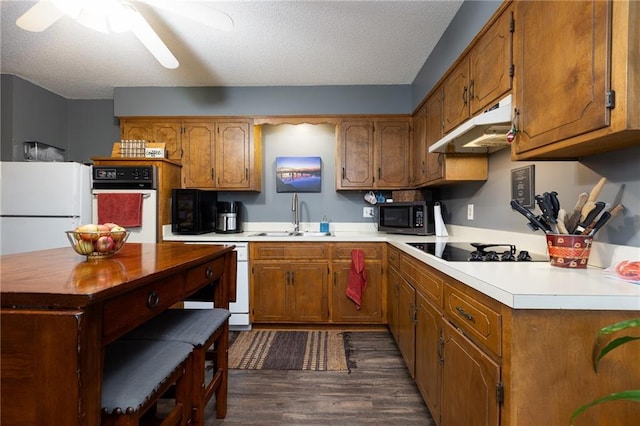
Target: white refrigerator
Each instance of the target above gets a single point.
(39, 201)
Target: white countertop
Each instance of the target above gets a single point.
(519, 285)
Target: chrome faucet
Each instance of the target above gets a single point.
(294, 209)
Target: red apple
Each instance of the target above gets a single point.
(103, 230)
(105, 244)
(110, 224)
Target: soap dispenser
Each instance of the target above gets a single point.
(324, 224)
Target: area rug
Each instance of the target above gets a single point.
(315, 350)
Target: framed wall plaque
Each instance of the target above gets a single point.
(523, 185)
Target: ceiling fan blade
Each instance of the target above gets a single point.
(196, 11)
(39, 17)
(150, 39)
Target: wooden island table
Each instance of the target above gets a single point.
(59, 311)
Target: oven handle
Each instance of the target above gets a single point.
(144, 195)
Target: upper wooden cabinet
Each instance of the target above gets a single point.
(482, 76)
(373, 154)
(442, 169)
(580, 98)
(164, 131)
(221, 154)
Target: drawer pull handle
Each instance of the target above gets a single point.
(208, 272)
(464, 313)
(153, 299)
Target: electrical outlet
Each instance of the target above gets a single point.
(367, 212)
(469, 211)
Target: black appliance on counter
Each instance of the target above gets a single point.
(229, 218)
(478, 252)
(193, 211)
(411, 218)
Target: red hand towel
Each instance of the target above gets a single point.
(124, 209)
(357, 277)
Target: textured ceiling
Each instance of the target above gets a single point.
(273, 43)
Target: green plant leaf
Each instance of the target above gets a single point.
(619, 326)
(629, 395)
(609, 347)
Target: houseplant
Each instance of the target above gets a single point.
(603, 345)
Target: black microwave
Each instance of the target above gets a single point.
(413, 218)
(193, 211)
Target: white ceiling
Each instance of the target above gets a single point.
(273, 43)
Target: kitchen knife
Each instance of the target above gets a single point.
(546, 207)
(591, 217)
(591, 201)
(562, 215)
(574, 218)
(534, 222)
(555, 203)
(604, 218)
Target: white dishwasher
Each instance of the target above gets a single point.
(239, 309)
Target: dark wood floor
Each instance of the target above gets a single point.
(378, 391)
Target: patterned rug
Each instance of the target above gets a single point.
(290, 350)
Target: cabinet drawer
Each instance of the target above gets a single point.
(393, 257)
(204, 274)
(129, 311)
(371, 251)
(478, 321)
(279, 251)
(419, 276)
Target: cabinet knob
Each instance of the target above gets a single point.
(208, 272)
(153, 299)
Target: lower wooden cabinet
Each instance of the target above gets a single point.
(429, 345)
(306, 283)
(471, 385)
(294, 292)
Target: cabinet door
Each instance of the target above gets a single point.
(470, 380)
(435, 161)
(419, 150)
(269, 284)
(344, 309)
(356, 155)
(456, 96)
(429, 353)
(393, 281)
(407, 325)
(490, 64)
(169, 133)
(391, 154)
(233, 155)
(198, 163)
(308, 292)
(561, 91)
(136, 130)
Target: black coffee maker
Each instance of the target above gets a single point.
(229, 219)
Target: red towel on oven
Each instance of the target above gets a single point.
(124, 209)
(357, 277)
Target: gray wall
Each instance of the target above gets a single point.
(303, 140)
(204, 101)
(568, 178)
(83, 128)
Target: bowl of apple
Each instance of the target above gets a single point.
(98, 241)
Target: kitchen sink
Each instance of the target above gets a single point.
(291, 234)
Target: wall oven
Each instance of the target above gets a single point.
(140, 182)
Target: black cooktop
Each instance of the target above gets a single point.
(478, 252)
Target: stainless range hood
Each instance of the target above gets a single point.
(484, 133)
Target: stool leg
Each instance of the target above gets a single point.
(222, 361)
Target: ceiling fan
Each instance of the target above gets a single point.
(121, 15)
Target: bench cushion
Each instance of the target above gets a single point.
(193, 326)
(134, 369)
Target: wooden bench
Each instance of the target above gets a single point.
(207, 330)
(139, 372)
